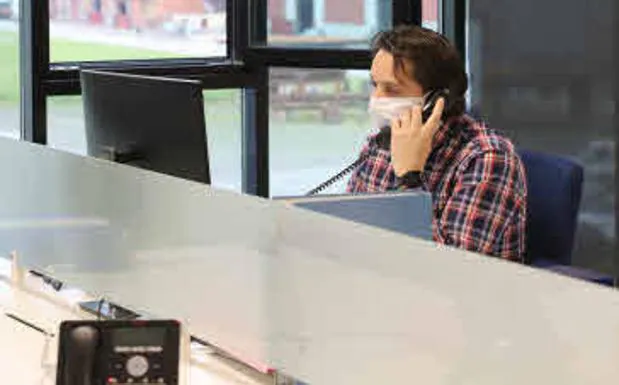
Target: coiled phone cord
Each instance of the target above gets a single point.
(338, 176)
(382, 141)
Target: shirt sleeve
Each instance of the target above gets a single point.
(485, 213)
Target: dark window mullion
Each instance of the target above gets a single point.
(240, 28)
(34, 64)
(406, 12)
(308, 57)
(258, 22)
(255, 142)
(453, 23)
(213, 76)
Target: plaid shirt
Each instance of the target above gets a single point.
(477, 183)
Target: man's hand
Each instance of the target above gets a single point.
(411, 140)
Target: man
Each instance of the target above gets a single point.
(474, 175)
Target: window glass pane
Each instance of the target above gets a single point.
(223, 123)
(9, 69)
(327, 22)
(136, 29)
(318, 123)
(548, 84)
(430, 14)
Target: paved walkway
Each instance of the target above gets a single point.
(210, 44)
(203, 45)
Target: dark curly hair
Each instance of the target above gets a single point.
(436, 63)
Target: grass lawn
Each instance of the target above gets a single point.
(9, 65)
(66, 50)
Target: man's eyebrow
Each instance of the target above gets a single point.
(389, 82)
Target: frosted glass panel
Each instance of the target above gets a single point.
(322, 299)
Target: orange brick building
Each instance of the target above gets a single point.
(344, 18)
(327, 17)
(124, 13)
(350, 18)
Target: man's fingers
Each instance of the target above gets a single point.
(395, 124)
(405, 117)
(416, 116)
(434, 121)
(408, 120)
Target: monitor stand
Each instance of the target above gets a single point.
(130, 156)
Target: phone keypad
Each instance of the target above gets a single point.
(137, 369)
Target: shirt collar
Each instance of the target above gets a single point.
(443, 135)
(445, 131)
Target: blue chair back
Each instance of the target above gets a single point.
(554, 185)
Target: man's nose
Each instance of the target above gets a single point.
(378, 93)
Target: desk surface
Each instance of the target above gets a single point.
(21, 349)
(321, 299)
(27, 356)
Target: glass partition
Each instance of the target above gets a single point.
(282, 288)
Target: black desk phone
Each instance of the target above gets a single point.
(383, 139)
(119, 352)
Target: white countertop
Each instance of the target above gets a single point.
(28, 357)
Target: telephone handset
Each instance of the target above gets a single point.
(383, 138)
(102, 352)
(85, 340)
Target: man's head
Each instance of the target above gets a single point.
(410, 61)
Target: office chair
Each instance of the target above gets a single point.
(554, 187)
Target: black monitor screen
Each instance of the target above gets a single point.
(149, 122)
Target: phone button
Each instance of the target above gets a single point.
(137, 366)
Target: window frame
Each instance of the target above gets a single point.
(245, 66)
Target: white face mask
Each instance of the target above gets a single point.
(383, 110)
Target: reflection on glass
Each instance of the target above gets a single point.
(223, 123)
(327, 22)
(92, 30)
(318, 124)
(9, 69)
(547, 84)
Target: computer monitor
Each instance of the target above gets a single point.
(155, 123)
